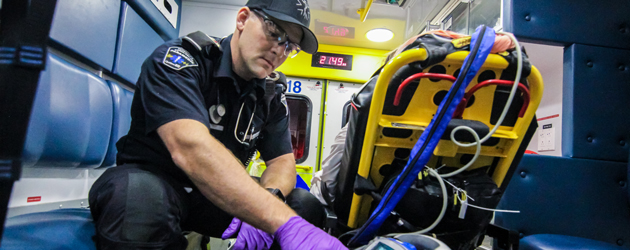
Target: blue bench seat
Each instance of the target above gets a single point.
(555, 241)
(70, 228)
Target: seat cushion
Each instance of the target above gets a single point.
(122, 99)
(56, 229)
(71, 120)
(595, 118)
(555, 241)
(137, 41)
(579, 22)
(88, 28)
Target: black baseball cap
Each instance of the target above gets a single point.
(291, 11)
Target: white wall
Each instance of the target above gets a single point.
(548, 60)
(213, 19)
(55, 187)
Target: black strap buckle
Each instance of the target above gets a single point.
(10, 169)
(24, 56)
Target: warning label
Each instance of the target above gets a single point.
(34, 199)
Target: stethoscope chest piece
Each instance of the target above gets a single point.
(216, 112)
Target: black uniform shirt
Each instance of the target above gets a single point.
(179, 81)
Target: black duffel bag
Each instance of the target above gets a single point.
(422, 204)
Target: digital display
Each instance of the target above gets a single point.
(336, 30)
(328, 29)
(333, 61)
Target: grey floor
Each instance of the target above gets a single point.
(219, 244)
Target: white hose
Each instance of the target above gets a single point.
(444, 205)
(478, 142)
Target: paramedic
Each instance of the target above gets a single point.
(200, 110)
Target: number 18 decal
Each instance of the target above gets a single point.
(294, 86)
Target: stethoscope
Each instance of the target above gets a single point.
(251, 118)
(217, 111)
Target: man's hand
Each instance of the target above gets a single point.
(248, 237)
(297, 233)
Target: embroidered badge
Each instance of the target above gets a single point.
(178, 58)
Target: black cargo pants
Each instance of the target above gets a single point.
(137, 209)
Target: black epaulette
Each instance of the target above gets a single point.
(200, 40)
(278, 80)
(275, 84)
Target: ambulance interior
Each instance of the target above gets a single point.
(560, 170)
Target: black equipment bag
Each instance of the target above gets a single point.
(421, 205)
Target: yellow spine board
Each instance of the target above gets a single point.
(375, 114)
(535, 92)
(378, 150)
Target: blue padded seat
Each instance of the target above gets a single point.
(568, 196)
(88, 28)
(57, 229)
(122, 120)
(568, 22)
(137, 40)
(595, 115)
(71, 120)
(155, 18)
(554, 241)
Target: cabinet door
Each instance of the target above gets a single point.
(338, 94)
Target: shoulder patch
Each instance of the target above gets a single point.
(178, 58)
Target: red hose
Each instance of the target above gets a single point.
(462, 105)
(406, 82)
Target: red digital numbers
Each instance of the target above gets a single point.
(331, 60)
(336, 31)
(341, 32)
(340, 62)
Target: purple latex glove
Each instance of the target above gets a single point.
(248, 237)
(297, 233)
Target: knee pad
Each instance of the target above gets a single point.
(136, 206)
(307, 206)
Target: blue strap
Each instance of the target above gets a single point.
(430, 137)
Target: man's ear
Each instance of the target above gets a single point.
(241, 17)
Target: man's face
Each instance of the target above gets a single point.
(260, 50)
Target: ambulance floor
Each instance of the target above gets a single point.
(194, 243)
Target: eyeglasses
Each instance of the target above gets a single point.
(276, 34)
